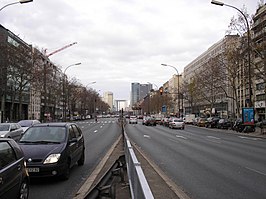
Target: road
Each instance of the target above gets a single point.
(206, 163)
(99, 137)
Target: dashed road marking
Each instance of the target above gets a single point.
(180, 136)
(249, 138)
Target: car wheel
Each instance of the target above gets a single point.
(24, 190)
(66, 173)
(82, 159)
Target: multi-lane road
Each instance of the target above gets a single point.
(99, 137)
(206, 163)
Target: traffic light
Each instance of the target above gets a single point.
(161, 90)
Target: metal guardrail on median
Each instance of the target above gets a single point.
(138, 184)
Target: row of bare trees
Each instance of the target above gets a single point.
(28, 79)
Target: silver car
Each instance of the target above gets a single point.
(176, 123)
(11, 130)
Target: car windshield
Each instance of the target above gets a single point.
(25, 123)
(44, 134)
(4, 127)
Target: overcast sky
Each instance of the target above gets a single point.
(121, 41)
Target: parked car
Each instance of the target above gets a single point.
(224, 123)
(25, 124)
(201, 122)
(165, 121)
(11, 130)
(51, 149)
(133, 119)
(176, 123)
(14, 179)
(212, 122)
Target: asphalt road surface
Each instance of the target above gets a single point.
(206, 163)
(99, 137)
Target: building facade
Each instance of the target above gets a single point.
(108, 98)
(259, 39)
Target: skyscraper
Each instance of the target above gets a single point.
(109, 99)
(138, 92)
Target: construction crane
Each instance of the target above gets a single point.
(58, 50)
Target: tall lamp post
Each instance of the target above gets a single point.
(248, 47)
(178, 93)
(64, 85)
(21, 1)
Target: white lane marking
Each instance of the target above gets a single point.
(176, 141)
(256, 171)
(146, 136)
(213, 137)
(249, 138)
(180, 136)
(101, 127)
(95, 131)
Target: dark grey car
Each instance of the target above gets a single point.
(14, 180)
(51, 149)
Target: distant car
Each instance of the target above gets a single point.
(176, 123)
(212, 122)
(165, 121)
(25, 124)
(14, 179)
(133, 120)
(51, 149)
(149, 121)
(201, 122)
(224, 124)
(11, 130)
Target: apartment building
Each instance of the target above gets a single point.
(220, 104)
(259, 40)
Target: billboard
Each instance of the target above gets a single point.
(248, 116)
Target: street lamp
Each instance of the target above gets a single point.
(248, 48)
(177, 86)
(64, 82)
(90, 83)
(21, 1)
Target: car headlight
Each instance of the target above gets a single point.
(53, 158)
(2, 136)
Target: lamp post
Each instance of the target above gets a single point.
(21, 1)
(178, 93)
(248, 47)
(64, 82)
(90, 84)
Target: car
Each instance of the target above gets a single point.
(133, 120)
(224, 123)
(25, 124)
(14, 178)
(52, 149)
(165, 121)
(11, 130)
(176, 123)
(212, 122)
(149, 121)
(201, 122)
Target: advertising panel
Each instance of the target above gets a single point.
(248, 116)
